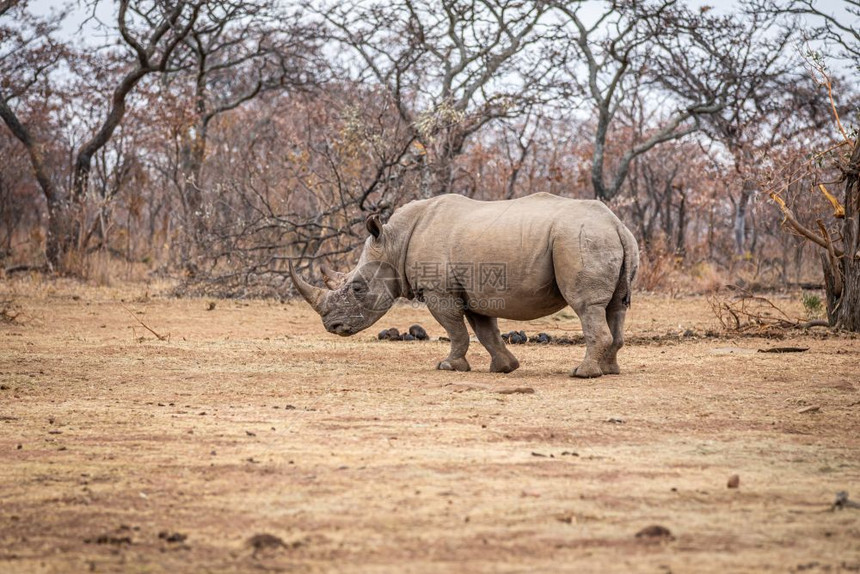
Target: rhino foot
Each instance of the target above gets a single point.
(610, 368)
(454, 365)
(504, 365)
(584, 371)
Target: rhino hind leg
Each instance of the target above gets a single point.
(449, 312)
(615, 315)
(598, 340)
(487, 331)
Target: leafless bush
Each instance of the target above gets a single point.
(10, 312)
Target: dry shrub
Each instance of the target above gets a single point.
(705, 278)
(663, 270)
(105, 269)
(10, 312)
(655, 268)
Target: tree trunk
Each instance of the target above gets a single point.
(740, 230)
(63, 234)
(842, 285)
(681, 241)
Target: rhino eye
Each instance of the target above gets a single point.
(359, 288)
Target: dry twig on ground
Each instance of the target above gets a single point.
(158, 336)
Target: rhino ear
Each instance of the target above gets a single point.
(373, 225)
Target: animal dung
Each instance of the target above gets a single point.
(392, 334)
(418, 332)
(515, 338)
(734, 481)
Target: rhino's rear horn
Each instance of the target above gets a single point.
(333, 279)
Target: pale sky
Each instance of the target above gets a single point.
(79, 11)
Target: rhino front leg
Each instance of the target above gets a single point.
(598, 340)
(448, 310)
(487, 331)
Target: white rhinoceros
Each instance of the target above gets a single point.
(483, 260)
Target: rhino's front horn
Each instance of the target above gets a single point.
(313, 295)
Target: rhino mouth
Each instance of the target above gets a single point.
(341, 329)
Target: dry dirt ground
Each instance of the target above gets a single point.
(252, 440)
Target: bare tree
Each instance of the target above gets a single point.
(450, 68)
(705, 62)
(150, 31)
(235, 52)
(837, 234)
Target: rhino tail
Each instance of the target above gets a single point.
(630, 265)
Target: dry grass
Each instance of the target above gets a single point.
(359, 457)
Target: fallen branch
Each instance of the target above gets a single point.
(747, 312)
(145, 326)
(784, 350)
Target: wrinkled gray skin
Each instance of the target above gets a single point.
(554, 252)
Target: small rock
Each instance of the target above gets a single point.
(541, 339)
(210, 306)
(418, 332)
(655, 532)
(383, 335)
(407, 337)
(615, 420)
(734, 481)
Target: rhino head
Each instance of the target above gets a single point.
(354, 301)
